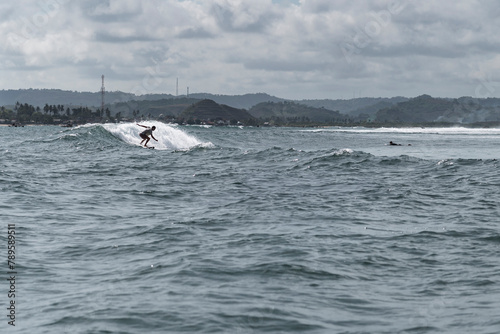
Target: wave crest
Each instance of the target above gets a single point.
(169, 137)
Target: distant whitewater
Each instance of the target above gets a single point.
(169, 136)
(415, 130)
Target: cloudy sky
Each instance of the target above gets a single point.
(297, 49)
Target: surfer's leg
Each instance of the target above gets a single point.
(146, 143)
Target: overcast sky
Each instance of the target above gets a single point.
(297, 49)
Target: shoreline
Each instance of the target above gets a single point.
(493, 125)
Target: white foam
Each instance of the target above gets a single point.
(423, 130)
(169, 137)
(343, 151)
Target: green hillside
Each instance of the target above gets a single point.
(209, 110)
(154, 108)
(425, 108)
(291, 111)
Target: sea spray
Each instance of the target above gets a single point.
(169, 137)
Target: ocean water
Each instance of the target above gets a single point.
(251, 230)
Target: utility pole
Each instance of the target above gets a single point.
(102, 96)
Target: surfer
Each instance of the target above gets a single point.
(146, 133)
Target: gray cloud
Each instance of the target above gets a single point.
(284, 65)
(107, 37)
(290, 48)
(197, 32)
(240, 16)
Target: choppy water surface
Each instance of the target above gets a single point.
(253, 230)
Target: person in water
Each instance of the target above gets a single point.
(394, 144)
(146, 133)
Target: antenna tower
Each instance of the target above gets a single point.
(102, 96)
(177, 88)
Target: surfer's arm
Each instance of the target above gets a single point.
(153, 137)
(142, 125)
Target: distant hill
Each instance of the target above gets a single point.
(425, 108)
(352, 106)
(480, 110)
(369, 112)
(246, 101)
(154, 108)
(210, 110)
(40, 97)
(292, 110)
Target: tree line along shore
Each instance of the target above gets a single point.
(423, 110)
